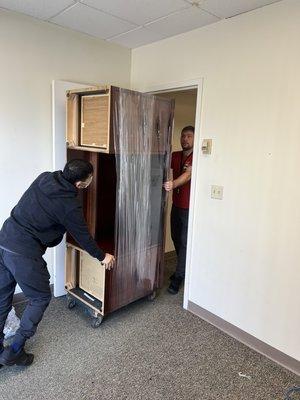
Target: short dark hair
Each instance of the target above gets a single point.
(189, 128)
(77, 170)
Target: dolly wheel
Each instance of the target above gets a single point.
(152, 296)
(96, 322)
(71, 304)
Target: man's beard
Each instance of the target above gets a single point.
(186, 148)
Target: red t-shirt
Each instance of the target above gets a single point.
(179, 163)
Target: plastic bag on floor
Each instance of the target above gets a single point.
(11, 325)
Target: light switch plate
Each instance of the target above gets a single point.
(206, 146)
(217, 192)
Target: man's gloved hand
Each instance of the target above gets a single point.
(108, 261)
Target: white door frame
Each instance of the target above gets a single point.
(196, 83)
(59, 158)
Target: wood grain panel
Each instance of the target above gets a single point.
(123, 286)
(72, 104)
(92, 276)
(91, 198)
(71, 272)
(95, 121)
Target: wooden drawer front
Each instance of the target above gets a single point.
(92, 276)
(95, 121)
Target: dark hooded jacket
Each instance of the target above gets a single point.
(48, 208)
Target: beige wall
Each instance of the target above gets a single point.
(185, 110)
(244, 249)
(34, 53)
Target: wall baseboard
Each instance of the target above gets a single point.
(20, 297)
(268, 351)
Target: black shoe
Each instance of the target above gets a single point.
(9, 357)
(1, 350)
(172, 277)
(175, 285)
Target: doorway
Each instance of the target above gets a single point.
(185, 115)
(187, 96)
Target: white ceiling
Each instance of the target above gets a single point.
(133, 23)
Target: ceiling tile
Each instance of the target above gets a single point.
(136, 38)
(42, 9)
(182, 21)
(229, 8)
(138, 11)
(93, 22)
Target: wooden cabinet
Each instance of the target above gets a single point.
(127, 137)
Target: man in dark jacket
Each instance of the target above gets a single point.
(48, 208)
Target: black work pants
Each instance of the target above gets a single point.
(179, 231)
(33, 278)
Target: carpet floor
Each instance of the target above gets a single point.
(147, 350)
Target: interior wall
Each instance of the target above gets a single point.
(245, 248)
(34, 53)
(185, 111)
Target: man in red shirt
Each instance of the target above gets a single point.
(181, 185)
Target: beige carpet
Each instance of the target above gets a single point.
(145, 351)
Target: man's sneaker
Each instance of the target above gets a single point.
(175, 285)
(9, 357)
